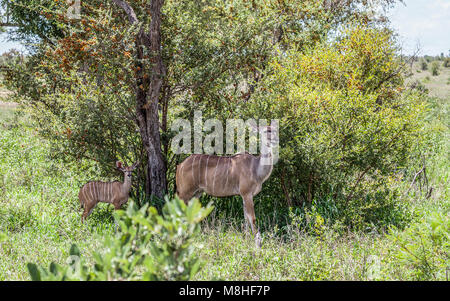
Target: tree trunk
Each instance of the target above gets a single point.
(147, 115)
(157, 166)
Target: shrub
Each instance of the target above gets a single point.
(446, 62)
(148, 246)
(435, 68)
(423, 65)
(419, 86)
(345, 126)
(424, 247)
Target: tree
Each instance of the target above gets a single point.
(29, 25)
(129, 64)
(147, 100)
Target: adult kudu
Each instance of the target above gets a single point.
(221, 176)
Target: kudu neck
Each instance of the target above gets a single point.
(126, 183)
(265, 164)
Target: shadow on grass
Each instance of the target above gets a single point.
(102, 214)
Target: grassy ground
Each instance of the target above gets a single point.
(438, 85)
(39, 211)
(40, 219)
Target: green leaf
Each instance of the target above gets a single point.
(74, 251)
(34, 272)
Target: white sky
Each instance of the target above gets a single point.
(419, 23)
(5, 46)
(423, 23)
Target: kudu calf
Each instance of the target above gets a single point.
(115, 193)
(221, 176)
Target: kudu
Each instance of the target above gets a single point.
(115, 193)
(220, 176)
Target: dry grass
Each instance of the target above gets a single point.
(439, 85)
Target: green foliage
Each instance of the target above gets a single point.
(435, 68)
(424, 247)
(423, 64)
(446, 62)
(345, 126)
(30, 180)
(80, 82)
(32, 27)
(148, 246)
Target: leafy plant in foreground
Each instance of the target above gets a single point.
(149, 246)
(425, 247)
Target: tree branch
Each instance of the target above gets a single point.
(128, 10)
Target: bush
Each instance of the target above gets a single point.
(423, 65)
(344, 129)
(148, 246)
(424, 247)
(435, 68)
(446, 62)
(419, 86)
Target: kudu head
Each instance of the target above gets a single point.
(269, 134)
(127, 170)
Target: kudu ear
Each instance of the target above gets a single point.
(119, 165)
(133, 167)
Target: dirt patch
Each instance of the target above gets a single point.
(4, 95)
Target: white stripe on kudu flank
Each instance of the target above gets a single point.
(215, 172)
(206, 172)
(94, 190)
(90, 192)
(200, 169)
(83, 191)
(228, 171)
(193, 177)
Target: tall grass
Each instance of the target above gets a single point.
(40, 216)
(39, 210)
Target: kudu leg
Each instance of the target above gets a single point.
(249, 211)
(87, 210)
(246, 222)
(186, 196)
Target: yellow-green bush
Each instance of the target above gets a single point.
(346, 126)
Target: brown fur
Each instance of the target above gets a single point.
(115, 193)
(221, 176)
